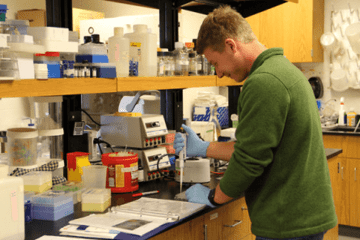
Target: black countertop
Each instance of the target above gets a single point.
(168, 189)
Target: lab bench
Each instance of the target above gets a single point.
(229, 221)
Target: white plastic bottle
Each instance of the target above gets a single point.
(143, 52)
(12, 220)
(118, 52)
(342, 112)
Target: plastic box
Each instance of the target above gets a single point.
(95, 199)
(49, 33)
(52, 205)
(74, 187)
(37, 182)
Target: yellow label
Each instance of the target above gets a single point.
(135, 44)
(120, 176)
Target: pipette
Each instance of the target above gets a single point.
(182, 156)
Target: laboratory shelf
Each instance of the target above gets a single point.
(161, 83)
(74, 86)
(56, 87)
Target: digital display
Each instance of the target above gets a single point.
(153, 158)
(152, 124)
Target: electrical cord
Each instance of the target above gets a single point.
(87, 114)
(98, 141)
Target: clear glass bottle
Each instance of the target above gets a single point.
(205, 65)
(199, 65)
(181, 60)
(160, 64)
(169, 64)
(192, 64)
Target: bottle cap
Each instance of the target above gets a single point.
(87, 39)
(118, 31)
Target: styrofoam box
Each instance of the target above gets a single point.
(52, 205)
(49, 33)
(96, 195)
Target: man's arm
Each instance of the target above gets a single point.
(220, 150)
(221, 197)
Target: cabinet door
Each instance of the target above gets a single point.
(191, 230)
(336, 141)
(354, 179)
(213, 223)
(234, 226)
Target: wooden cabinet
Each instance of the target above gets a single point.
(296, 27)
(230, 221)
(345, 178)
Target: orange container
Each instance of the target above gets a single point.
(122, 171)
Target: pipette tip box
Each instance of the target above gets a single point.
(52, 205)
(96, 199)
(37, 182)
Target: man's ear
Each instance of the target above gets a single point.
(231, 44)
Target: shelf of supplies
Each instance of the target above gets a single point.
(56, 86)
(161, 83)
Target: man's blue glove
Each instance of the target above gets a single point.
(195, 147)
(199, 194)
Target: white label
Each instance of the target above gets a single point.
(200, 111)
(134, 175)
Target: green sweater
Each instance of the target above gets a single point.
(279, 158)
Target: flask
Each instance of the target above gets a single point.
(192, 64)
(143, 50)
(351, 118)
(342, 112)
(118, 52)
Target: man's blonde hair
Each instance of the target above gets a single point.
(224, 22)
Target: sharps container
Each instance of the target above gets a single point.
(11, 206)
(122, 171)
(22, 146)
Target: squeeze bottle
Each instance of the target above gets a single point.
(342, 112)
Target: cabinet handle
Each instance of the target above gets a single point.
(355, 173)
(205, 234)
(342, 172)
(234, 225)
(339, 166)
(244, 208)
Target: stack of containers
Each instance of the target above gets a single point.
(52, 205)
(143, 52)
(52, 60)
(37, 182)
(95, 199)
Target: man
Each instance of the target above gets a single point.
(278, 159)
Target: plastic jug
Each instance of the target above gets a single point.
(118, 52)
(12, 219)
(143, 52)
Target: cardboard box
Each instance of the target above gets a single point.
(36, 17)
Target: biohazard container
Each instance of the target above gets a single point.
(122, 171)
(12, 219)
(143, 52)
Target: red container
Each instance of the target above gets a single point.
(122, 172)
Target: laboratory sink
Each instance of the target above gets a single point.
(341, 130)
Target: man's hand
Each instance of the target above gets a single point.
(199, 194)
(195, 147)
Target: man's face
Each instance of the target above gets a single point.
(226, 63)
